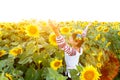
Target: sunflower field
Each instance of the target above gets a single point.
(28, 51)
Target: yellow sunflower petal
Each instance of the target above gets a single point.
(108, 44)
(8, 76)
(103, 39)
(2, 52)
(119, 33)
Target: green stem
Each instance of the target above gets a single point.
(37, 45)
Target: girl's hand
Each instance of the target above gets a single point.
(54, 28)
(89, 24)
(86, 29)
(52, 25)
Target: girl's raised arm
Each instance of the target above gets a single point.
(54, 28)
(85, 30)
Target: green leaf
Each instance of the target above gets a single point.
(31, 47)
(2, 77)
(27, 55)
(79, 68)
(2, 64)
(74, 74)
(15, 43)
(32, 74)
(25, 60)
(54, 75)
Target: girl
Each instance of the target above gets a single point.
(72, 53)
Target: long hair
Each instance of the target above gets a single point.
(79, 41)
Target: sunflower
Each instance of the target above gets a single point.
(106, 29)
(32, 30)
(8, 76)
(56, 64)
(2, 52)
(103, 39)
(99, 28)
(52, 39)
(84, 24)
(44, 24)
(79, 31)
(71, 28)
(99, 65)
(100, 54)
(65, 30)
(39, 61)
(16, 51)
(119, 33)
(89, 73)
(0, 32)
(95, 23)
(97, 37)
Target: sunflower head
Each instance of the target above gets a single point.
(106, 29)
(97, 37)
(44, 24)
(99, 65)
(52, 39)
(65, 30)
(56, 64)
(99, 28)
(0, 32)
(16, 51)
(103, 39)
(79, 31)
(32, 31)
(100, 54)
(2, 52)
(89, 73)
(119, 33)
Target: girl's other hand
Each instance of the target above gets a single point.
(52, 25)
(90, 23)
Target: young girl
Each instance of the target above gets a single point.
(72, 53)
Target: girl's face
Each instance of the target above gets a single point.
(72, 41)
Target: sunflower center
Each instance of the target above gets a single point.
(17, 51)
(56, 64)
(33, 30)
(54, 38)
(66, 30)
(100, 28)
(106, 30)
(1, 53)
(89, 75)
